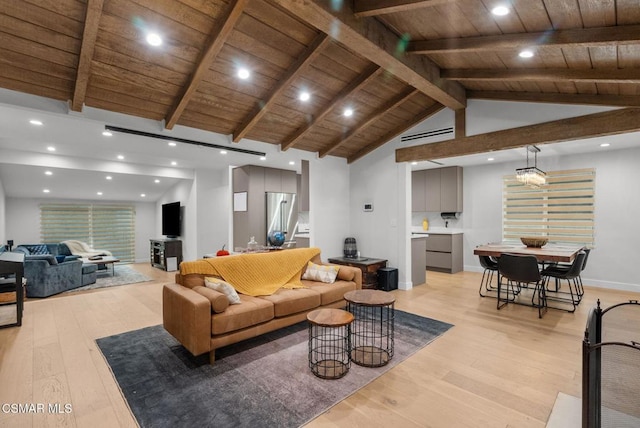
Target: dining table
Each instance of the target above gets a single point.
(550, 253)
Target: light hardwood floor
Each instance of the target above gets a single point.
(492, 369)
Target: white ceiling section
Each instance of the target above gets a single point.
(83, 157)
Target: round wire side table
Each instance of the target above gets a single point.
(329, 342)
(372, 330)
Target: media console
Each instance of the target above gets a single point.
(166, 254)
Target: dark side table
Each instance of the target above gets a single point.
(369, 267)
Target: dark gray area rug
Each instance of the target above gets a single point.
(261, 382)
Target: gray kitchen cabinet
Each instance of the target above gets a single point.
(451, 189)
(303, 189)
(437, 190)
(418, 260)
(279, 180)
(249, 180)
(432, 189)
(444, 252)
(255, 181)
(418, 201)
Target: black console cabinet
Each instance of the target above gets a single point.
(166, 254)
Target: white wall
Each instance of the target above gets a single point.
(213, 210)
(329, 210)
(3, 216)
(384, 232)
(185, 193)
(23, 222)
(377, 178)
(612, 262)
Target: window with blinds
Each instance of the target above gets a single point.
(562, 210)
(104, 227)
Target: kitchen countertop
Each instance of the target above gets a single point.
(437, 230)
(419, 235)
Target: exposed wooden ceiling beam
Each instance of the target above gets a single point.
(619, 75)
(395, 132)
(89, 35)
(393, 103)
(369, 74)
(312, 51)
(588, 126)
(215, 44)
(540, 97)
(375, 42)
(381, 7)
(600, 36)
(461, 123)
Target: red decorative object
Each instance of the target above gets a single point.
(222, 252)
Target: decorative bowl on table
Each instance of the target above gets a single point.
(535, 242)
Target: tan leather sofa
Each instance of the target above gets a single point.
(202, 319)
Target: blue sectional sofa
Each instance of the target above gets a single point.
(51, 269)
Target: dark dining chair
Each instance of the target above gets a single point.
(521, 272)
(571, 274)
(490, 266)
(564, 267)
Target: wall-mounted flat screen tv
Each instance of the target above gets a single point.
(171, 219)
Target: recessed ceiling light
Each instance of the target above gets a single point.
(223, 152)
(142, 195)
(35, 122)
(500, 10)
(48, 173)
(156, 181)
(243, 73)
(108, 177)
(262, 158)
(46, 190)
(172, 143)
(99, 193)
(51, 149)
(348, 112)
(107, 134)
(414, 163)
(120, 157)
(605, 145)
(525, 54)
(174, 163)
(490, 159)
(154, 39)
(292, 163)
(304, 96)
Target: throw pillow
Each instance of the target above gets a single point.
(38, 249)
(224, 288)
(322, 273)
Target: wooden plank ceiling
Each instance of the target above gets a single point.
(393, 62)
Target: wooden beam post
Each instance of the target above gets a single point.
(89, 35)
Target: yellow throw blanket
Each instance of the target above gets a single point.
(257, 274)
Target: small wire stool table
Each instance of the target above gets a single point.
(372, 331)
(329, 342)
